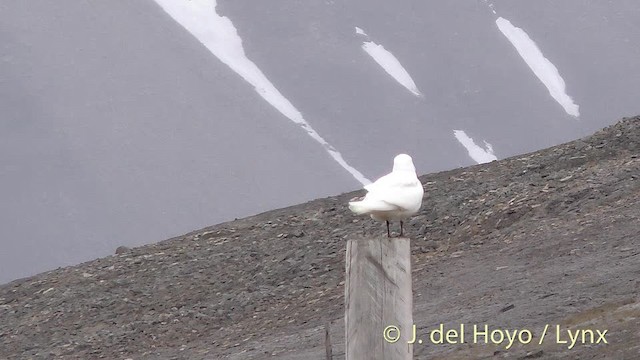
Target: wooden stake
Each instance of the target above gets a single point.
(378, 294)
(327, 341)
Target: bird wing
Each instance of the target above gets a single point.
(397, 190)
(383, 182)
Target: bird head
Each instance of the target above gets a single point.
(403, 162)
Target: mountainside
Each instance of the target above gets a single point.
(549, 237)
(124, 122)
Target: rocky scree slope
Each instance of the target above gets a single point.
(549, 237)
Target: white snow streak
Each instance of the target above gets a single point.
(360, 31)
(477, 153)
(391, 65)
(491, 6)
(219, 35)
(541, 66)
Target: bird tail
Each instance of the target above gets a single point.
(357, 207)
(367, 206)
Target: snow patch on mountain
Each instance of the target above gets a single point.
(479, 154)
(491, 6)
(540, 65)
(219, 35)
(390, 64)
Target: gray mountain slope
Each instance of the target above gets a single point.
(106, 145)
(120, 128)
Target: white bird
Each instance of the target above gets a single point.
(395, 196)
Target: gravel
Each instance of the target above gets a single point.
(549, 237)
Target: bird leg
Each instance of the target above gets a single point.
(388, 232)
(401, 225)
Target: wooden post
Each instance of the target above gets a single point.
(327, 341)
(378, 294)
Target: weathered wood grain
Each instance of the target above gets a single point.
(378, 294)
